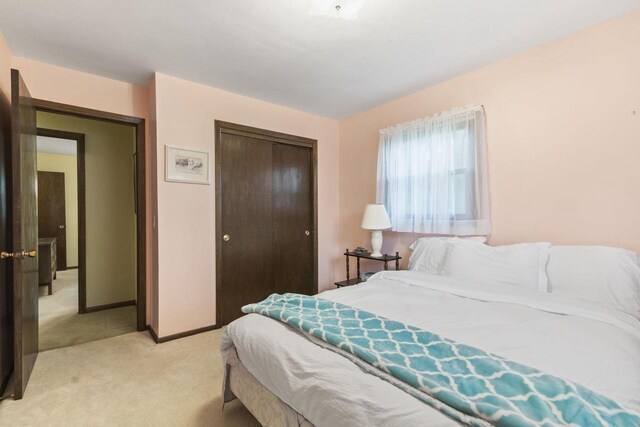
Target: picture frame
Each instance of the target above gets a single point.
(186, 165)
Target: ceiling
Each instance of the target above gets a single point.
(47, 144)
(278, 51)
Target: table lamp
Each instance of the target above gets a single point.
(375, 219)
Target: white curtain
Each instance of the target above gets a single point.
(432, 174)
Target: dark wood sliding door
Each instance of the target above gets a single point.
(266, 217)
(246, 246)
(292, 223)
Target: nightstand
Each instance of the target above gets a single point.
(386, 258)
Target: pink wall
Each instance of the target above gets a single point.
(72, 87)
(563, 138)
(77, 88)
(186, 113)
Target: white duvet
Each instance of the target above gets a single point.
(578, 341)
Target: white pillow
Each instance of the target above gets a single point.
(518, 265)
(596, 273)
(429, 253)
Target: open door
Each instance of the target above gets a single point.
(52, 213)
(6, 285)
(24, 208)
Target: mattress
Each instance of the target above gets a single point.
(578, 341)
(265, 406)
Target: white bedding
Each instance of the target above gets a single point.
(578, 341)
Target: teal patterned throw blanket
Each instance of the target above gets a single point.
(465, 383)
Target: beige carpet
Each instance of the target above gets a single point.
(128, 381)
(62, 326)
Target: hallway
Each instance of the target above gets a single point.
(62, 326)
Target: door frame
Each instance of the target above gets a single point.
(222, 127)
(141, 195)
(82, 209)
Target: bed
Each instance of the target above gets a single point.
(286, 379)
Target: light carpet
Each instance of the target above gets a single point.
(128, 380)
(62, 326)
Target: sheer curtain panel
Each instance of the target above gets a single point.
(432, 174)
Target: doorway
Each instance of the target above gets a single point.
(95, 296)
(266, 216)
(138, 168)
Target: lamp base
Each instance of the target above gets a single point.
(376, 243)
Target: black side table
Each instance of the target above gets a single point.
(386, 258)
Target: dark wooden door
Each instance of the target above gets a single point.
(6, 292)
(25, 233)
(246, 215)
(51, 213)
(265, 217)
(292, 202)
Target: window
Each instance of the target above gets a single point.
(432, 174)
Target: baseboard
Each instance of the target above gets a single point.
(108, 306)
(153, 334)
(179, 335)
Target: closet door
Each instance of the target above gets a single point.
(246, 246)
(265, 217)
(292, 219)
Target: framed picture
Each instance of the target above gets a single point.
(183, 165)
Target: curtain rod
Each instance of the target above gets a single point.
(451, 112)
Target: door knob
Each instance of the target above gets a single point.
(226, 237)
(307, 232)
(18, 255)
(61, 227)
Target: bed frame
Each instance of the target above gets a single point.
(265, 406)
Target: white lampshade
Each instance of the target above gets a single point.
(375, 218)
